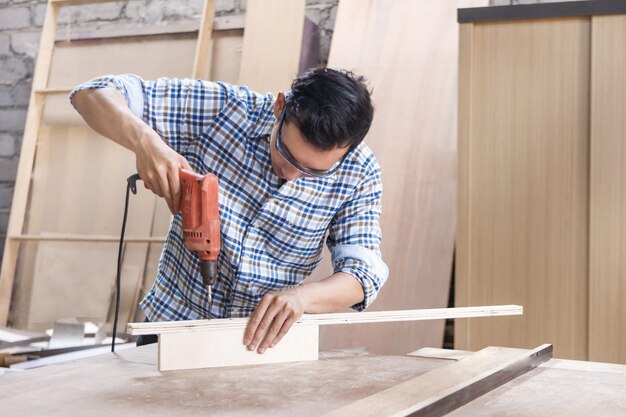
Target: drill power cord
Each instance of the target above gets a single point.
(130, 186)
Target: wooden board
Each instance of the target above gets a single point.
(447, 388)
(524, 183)
(224, 347)
(607, 260)
(330, 319)
(271, 44)
(408, 50)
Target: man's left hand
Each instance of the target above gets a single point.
(272, 319)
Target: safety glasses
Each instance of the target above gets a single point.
(281, 150)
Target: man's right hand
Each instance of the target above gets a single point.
(158, 166)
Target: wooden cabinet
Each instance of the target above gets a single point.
(542, 177)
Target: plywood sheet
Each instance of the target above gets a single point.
(408, 50)
(607, 261)
(77, 277)
(524, 183)
(271, 44)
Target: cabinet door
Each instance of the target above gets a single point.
(523, 183)
(607, 262)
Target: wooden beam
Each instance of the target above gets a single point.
(330, 319)
(78, 2)
(87, 238)
(444, 389)
(202, 64)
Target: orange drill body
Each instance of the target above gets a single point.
(201, 223)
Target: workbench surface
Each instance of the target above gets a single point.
(127, 383)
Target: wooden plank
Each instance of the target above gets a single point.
(60, 90)
(271, 44)
(331, 319)
(77, 2)
(87, 238)
(224, 347)
(607, 262)
(444, 389)
(525, 231)
(201, 63)
(450, 354)
(464, 194)
(408, 51)
(118, 30)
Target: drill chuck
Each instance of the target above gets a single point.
(208, 270)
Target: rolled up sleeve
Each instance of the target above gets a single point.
(355, 236)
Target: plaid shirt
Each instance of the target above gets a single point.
(272, 231)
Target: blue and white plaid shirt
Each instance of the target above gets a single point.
(272, 231)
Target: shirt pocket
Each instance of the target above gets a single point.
(292, 234)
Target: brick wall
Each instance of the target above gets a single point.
(20, 29)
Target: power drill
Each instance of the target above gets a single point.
(201, 222)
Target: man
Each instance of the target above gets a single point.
(291, 169)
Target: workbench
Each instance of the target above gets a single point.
(128, 383)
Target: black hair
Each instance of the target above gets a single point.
(331, 108)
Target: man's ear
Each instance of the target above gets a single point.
(279, 104)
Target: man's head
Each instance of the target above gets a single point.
(326, 114)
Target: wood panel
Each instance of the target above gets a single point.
(524, 201)
(607, 261)
(408, 51)
(271, 44)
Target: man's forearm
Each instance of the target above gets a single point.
(105, 111)
(335, 293)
